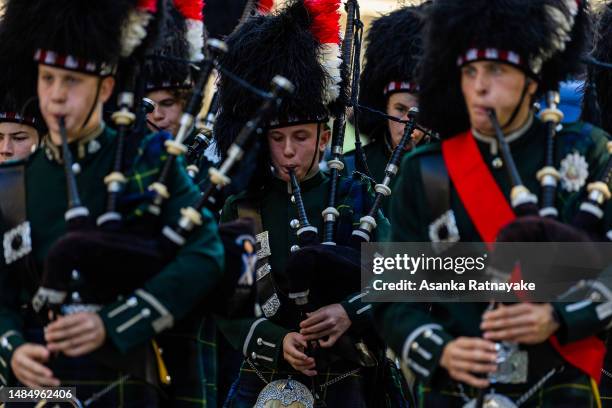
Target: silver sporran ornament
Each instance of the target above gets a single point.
(493, 400)
(512, 364)
(285, 394)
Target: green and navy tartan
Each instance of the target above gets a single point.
(567, 389)
(208, 348)
(357, 194)
(273, 375)
(386, 391)
(200, 335)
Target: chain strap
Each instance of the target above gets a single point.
(105, 390)
(528, 394)
(322, 386)
(259, 374)
(338, 378)
(606, 373)
(525, 397)
(462, 393)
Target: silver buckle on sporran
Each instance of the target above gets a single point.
(285, 394)
(512, 365)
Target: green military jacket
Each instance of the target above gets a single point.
(205, 333)
(164, 299)
(261, 339)
(378, 152)
(418, 331)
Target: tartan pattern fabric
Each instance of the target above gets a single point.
(145, 168)
(356, 193)
(207, 340)
(247, 374)
(90, 377)
(188, 389)
(188, 350)
(559, 396)
(386, 389)
(567, 389)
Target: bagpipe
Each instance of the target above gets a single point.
(534, 224)
(325, 269)
(322, 262)
(94, 264)
(203, 138)
(586, 223)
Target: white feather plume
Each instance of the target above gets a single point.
(329, 56)
(195, 38)
(134, 31)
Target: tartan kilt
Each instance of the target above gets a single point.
(247, 387)
(605, 387)
(569, 388)
(89, 377)
(382, 386)
(189, 352)
(207, 339)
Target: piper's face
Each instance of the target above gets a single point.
(495, 85)
(16, 141)
(398, 105)
(167, 113)
(294, 147)
(72, 95)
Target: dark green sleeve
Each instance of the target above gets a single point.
(407, 214)
(229, 211)
(408, 328)
(180, 285)
(383, 228)
(257, 339)
(358, 311)
(412, 334)
(581, 319)
(588, 317)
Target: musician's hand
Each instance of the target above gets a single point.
(330, 320)
(466, 357)
(294, 345)
(28, 366)
(526, 323)
(417, 135)
(75, 335)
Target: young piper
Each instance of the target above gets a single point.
(292, 142)
(21, 125)
(388, 84)
(479, 58)
(76, 46)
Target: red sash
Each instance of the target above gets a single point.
(489, 211)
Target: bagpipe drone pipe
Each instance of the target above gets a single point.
(534, 224)
(326, 269)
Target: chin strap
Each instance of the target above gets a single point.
(518, 106)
